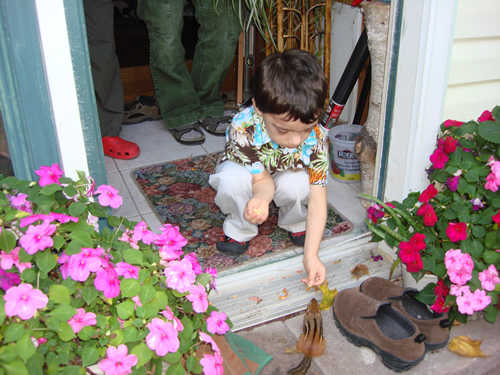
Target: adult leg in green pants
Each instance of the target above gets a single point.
(99, 16)
(183, 97)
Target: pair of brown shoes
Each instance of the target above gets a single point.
(389, 320)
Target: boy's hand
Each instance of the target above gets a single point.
(256, 211)
(316, 271)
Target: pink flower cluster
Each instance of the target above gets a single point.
(118, 361)
(468, 301)
(409, 252)
(493, 179)
(459, 266)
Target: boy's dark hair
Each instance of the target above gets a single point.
(291, 82)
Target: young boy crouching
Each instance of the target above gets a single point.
(276, 151)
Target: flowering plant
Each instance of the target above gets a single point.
(73, 296)
(450, 229)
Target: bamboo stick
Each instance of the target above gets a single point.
(328, 41)
(279, 22)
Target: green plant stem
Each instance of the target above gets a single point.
(387, 230)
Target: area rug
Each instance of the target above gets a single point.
(179, 193)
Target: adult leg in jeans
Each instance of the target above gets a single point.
(179, 104)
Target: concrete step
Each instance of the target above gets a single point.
(278, 288)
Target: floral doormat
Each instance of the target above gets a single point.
(179, 194)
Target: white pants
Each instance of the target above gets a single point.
(233, 183)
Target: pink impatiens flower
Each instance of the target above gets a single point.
(459, 266)
(438, 159)
(12, 259)
(127, 271)
(23, 301)
(489, 278)
(452, 183)
(49, 175)
(20, 203)
(108, 196)
(198, 296)
(216, 323)
(80, 265)
(456, 231)
(82, 319)
(485, 116)
(375, 212)
(107, 282)
(8, 279)
(118, 362)
(208, 339)
(38, 237)
(170, 242)
(162, 338)
(212, 364)
(180, 275)
(142, 233)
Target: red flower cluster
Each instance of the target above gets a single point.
(409, 252)
(441, 290)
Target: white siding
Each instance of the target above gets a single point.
(474, 73)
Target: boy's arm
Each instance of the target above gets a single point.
(316, 221)
(257, 208)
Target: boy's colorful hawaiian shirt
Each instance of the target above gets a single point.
(249, 144)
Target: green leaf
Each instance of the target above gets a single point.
(73, 247)
(125, 309)
(86, 333)
(427, 295)
(176, 369)
(63, 312)
(160, 300)
(58, 241)
(117, 337)
(46, 261)
(490, 314)
(473, 247)
(143, 354)
(130, 287)
(147, 293)
(114, 221)
(25, 347)
(66, 333)
(132, 256)
(188, 327)
(150, 310)
(478, 231)
(7, 241)
(16, 367)
(14, 332)
(35, 364)
(203, 278)
(76, 208)
(50, 189)
(89, 293)
(71, 370)
(90, 355)
(173, 357)
(59, 294)
(490, 131)
(82, 237)
(129, 335)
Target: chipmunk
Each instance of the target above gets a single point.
(311, 343)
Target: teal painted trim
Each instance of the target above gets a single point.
(391, 92)
(24, 95)
(77, 34)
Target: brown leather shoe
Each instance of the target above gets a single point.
(433, 325)
(367, 322)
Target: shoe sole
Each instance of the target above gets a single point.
(389, 360)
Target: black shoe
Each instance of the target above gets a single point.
(228, 246)
(297, 238)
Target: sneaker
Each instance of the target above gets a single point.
(143, 108)
(297, 238)
(228, 246)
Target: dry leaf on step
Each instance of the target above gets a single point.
(359, 271)
(465, 346)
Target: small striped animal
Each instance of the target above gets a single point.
(311, 343)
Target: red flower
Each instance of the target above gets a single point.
(416, 265)
(438, 159)
(485, 116)
(408, 252)
(441, 289)
(438, 306)
(450, 145)
(448, 123)
(428, 194)
(417, 240)
(456, 231)
(427, 211)
(496, 218)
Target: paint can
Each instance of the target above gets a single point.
(343, 162)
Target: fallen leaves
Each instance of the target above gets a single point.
(328, 296)
(256, 299)
(359, 271)
(465, 346)
(284, 296)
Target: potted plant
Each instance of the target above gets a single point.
(121, 298)
(450, 229)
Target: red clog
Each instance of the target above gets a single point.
(119, 148)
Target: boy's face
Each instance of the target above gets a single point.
(286, 133)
